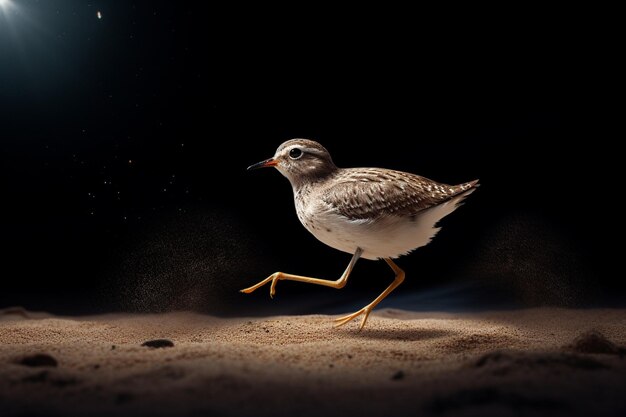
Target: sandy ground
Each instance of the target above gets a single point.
(528, 362)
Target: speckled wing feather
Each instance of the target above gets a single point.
(370, 193)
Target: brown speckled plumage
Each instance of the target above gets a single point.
(370, 193)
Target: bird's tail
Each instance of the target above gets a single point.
(465, 190)
(469, 185)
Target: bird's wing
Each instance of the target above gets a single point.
(370, 193)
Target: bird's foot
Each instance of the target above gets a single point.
(340, 321)
(274, 278)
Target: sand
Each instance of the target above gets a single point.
(525, 362)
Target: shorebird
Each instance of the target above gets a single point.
(371, 213)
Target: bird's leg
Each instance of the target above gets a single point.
(368, 308)
(277, 276)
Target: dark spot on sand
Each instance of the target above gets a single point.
(38, 360)
(595, 342)
(158, 343)
(329, 230)
(113, 347)
(398, 376)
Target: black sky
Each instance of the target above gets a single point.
(120, 133)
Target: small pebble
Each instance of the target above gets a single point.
(39, 359)
(397, 376)
(158, 343)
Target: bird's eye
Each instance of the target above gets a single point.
(295, 153)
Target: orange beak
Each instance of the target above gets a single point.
(264, 164)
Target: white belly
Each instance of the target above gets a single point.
(386, 237)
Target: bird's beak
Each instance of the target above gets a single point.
(264, 164)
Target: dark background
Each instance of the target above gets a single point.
(125, 140)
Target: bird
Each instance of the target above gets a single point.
(370, 213)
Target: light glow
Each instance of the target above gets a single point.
(5, 5)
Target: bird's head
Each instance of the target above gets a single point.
(300, 160)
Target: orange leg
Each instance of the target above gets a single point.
(368, 308)
(277, 276)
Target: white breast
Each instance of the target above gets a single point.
(385, 237)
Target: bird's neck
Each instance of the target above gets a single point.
(303, 183)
